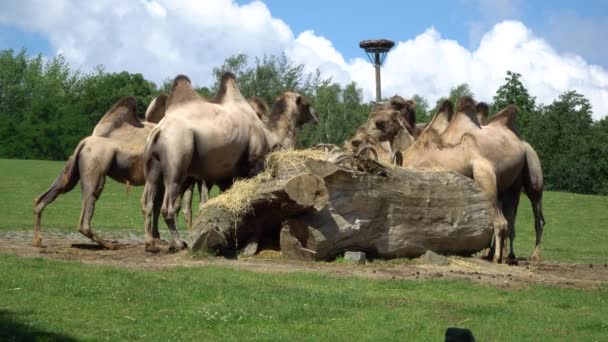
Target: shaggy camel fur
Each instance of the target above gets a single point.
(114, 149)
(213, 142)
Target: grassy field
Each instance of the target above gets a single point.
(41, 297)
(54, 300)
(576, 229)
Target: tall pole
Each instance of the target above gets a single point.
(376, 50)
(377, 67)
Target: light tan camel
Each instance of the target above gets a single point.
(282, 122)
(387, 131)
(532, 178)
(493, 155)
(114, 149)
(213, 142)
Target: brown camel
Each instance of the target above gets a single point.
(114, 149)
(213, 142)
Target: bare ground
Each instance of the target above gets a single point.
(130, 254)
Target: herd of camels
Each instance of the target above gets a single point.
(187, 140)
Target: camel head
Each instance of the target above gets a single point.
(384, 125)
(293, 109)
(360, 139)
(406, 108)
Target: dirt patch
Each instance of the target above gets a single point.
(131, 255)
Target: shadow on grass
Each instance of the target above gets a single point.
(13, 330)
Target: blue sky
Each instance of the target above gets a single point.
(345, 23)
(557, 45)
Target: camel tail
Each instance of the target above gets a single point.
(67, 179)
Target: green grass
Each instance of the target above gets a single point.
(575, 231)
(24, 180)
(67, 299)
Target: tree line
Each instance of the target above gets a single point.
(46, 107)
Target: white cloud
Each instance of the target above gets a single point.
(430, 65)
(161, 38)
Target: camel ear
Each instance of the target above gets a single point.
(124, 112)
(411, 103)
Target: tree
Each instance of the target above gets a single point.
(563, 139)
(514, 92)
(456, 92)
(422, 109)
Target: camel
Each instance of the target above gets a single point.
(492, 155)
(114, 149)
(282, 122)
(213, 142)
(388, 130)
(531, 175)
(532, 178)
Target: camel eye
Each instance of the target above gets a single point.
(356, 143)
(380, 125)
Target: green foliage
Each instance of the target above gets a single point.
(46, 108)
(422, 109)
(514, 92)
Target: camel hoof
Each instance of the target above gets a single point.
(37, 242)
(151, 248)
(160, 242)
(178, 246)
(535, 258)
(512, 262)
(108, 245)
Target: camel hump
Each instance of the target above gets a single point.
(228, 90)
(156, 109)
(482, 109)
(505, 117)
(466, 104)
(441, 118)
(124, 112)
(259, 105)
(446, 107)
(181, 91)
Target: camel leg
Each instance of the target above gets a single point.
(169, 210)
(203, 191)
(65, 182)
(39, 204)
(158, 201)
(510, 202)
(533, 185)
(151, 196)
(485, 176)
(539, 223)
(91, 190)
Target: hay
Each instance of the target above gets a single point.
(293, 159)
(237, 200)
